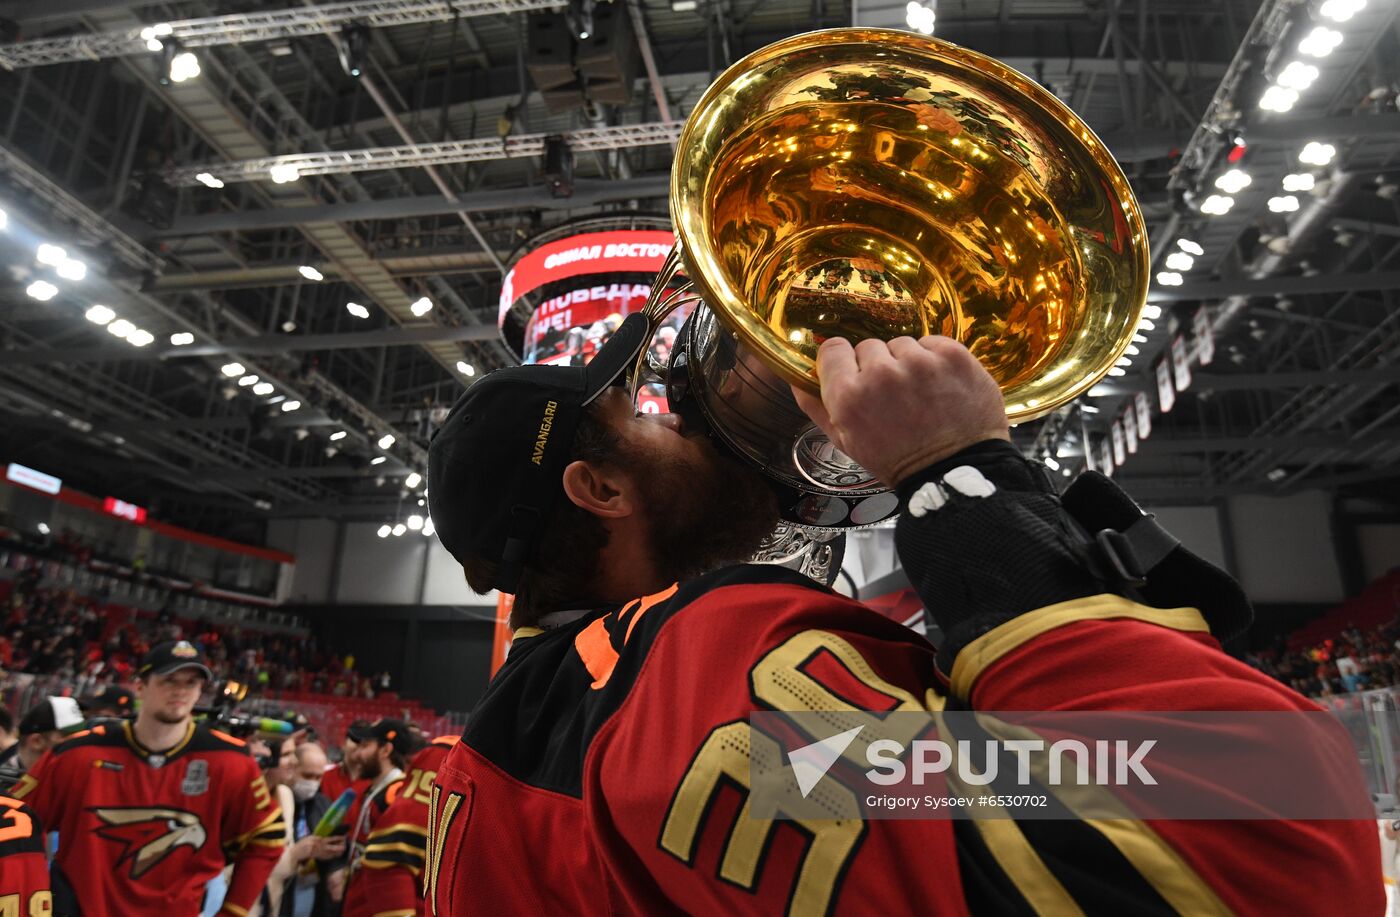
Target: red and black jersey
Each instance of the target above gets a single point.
(142, 832)
(24, 869)
(606, 769)
(387, 881)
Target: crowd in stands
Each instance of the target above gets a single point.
(52, 631)
(1352, 661)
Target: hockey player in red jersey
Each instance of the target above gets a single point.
(609, 757)
(387, 879)
(148, 811)
(24, 869)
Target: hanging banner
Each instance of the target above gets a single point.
(1130, 434)
(1166, 395)
(1205, 336)
(1120, 454)
(1181, 366)
(1106, 457)
(44, 483)
(1144, 415)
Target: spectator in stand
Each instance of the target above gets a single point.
(1354, 661)
(306, 895)
(112, 702)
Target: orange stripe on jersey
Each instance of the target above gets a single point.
(594, 645)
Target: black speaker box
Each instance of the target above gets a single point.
(607, 58)
(549, 50)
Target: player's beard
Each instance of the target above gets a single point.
(704, 513)
(170, 719)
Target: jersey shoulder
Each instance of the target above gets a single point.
(99, 737)
(208, 739)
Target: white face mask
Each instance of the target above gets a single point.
(305, 790)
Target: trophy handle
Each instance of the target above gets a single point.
(661, 303)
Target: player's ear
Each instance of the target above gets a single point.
(599, 489)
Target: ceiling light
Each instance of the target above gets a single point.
(384, 530)
(1124, 361)
(121, 328)
(1277, 98)
(415, 523)
(378, 460)
(181, 338)
(310, 273)
(1139, 339)
(71, 269)
(1151, 312)
(283, 172)
(288, 406)
(1088, 408)
(413, 480)
(208, 180)
(337, 436)
(1317, 154)
(263, 388)
(4, 219)
(1169, 278)
(1131, 350)
(357, 310)
(248, 380)
(232, 369)
(386, 440)
(1286, 203)
(1299, 181)
(52, 255)
(1297, 75)
(1180, 261)
(183, 66)
(140, 338)
(1320, 42)
(921, 18)
(1117, 371)
(1216, 205)
(421, 307)
(1233, 181)
(100, 315)
(428, 528)
(1278, 474)
(465, 368)
(1191, 248)
(399, 529)
(1341, 10)
(1051, 463)
(42, 290)
(1146, 325)
(683, 6)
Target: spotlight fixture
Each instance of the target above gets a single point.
(140, 338)
(1286, 203)
(1152, 313)
(1278, 98)
(1278, 474)
(337, 436)
(1297, 75)
(120, 328)
(357, 310)
(384, 530)
(429, 529)
(50, 254)
(1179, 261)
(248, 380)
(920, 17)
(232, 369)
(386, 440)
(1317, 154)
(288, 406)
(1217, 205)
(282, 173)
(1169, 278)
(1191, 248)
(415, 523)
(400, 529)
(99, 315)
(310, 273)
(1320, 42)
(421, 307)
(42, 290)
(413, 480)
(181, 338)
(352, 47)
(263, 388)
(465, 368)
(378, 460)
(183, 66)
(1299, 181)
(1341, 10)
(71, 269)
(1233, 181)
(208, 180)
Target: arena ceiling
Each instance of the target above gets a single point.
(1302, 303)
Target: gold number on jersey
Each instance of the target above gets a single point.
(40, 905)
(724, 758)
(419, 786)
(261, 795)
(440, 814)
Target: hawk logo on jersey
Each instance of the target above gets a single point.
(149, 834)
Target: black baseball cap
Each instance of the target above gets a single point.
(52, 714)
(390, 732)
(173, 656)
(496, 465)
(113, 697)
